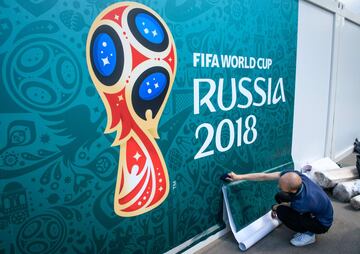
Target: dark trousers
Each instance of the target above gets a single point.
(299, 222)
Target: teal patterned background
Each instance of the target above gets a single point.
(57, 168)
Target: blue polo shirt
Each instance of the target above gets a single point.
(312, 199)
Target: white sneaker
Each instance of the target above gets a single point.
(296, 235)
(303, 239)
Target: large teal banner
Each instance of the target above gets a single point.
(185, 91)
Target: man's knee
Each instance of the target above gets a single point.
(282, 212)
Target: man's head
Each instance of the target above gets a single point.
(290, 182)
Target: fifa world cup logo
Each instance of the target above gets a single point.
(131, 57)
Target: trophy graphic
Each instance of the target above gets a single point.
(131, 58)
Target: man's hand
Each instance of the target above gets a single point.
(273, 214)
(233, 177)
(273, 211)
(274, 207)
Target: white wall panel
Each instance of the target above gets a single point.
(347, 105)
(313, 72)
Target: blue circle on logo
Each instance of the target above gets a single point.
(149, 28)
(104, 54)
(152, 86)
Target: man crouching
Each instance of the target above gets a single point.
(301, 205)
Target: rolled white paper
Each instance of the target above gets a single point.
(254, 232)
(257, 230)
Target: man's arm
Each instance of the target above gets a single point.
(253, 176)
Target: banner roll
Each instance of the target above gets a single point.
(255, 231)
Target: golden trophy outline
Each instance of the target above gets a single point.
(134, 81)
